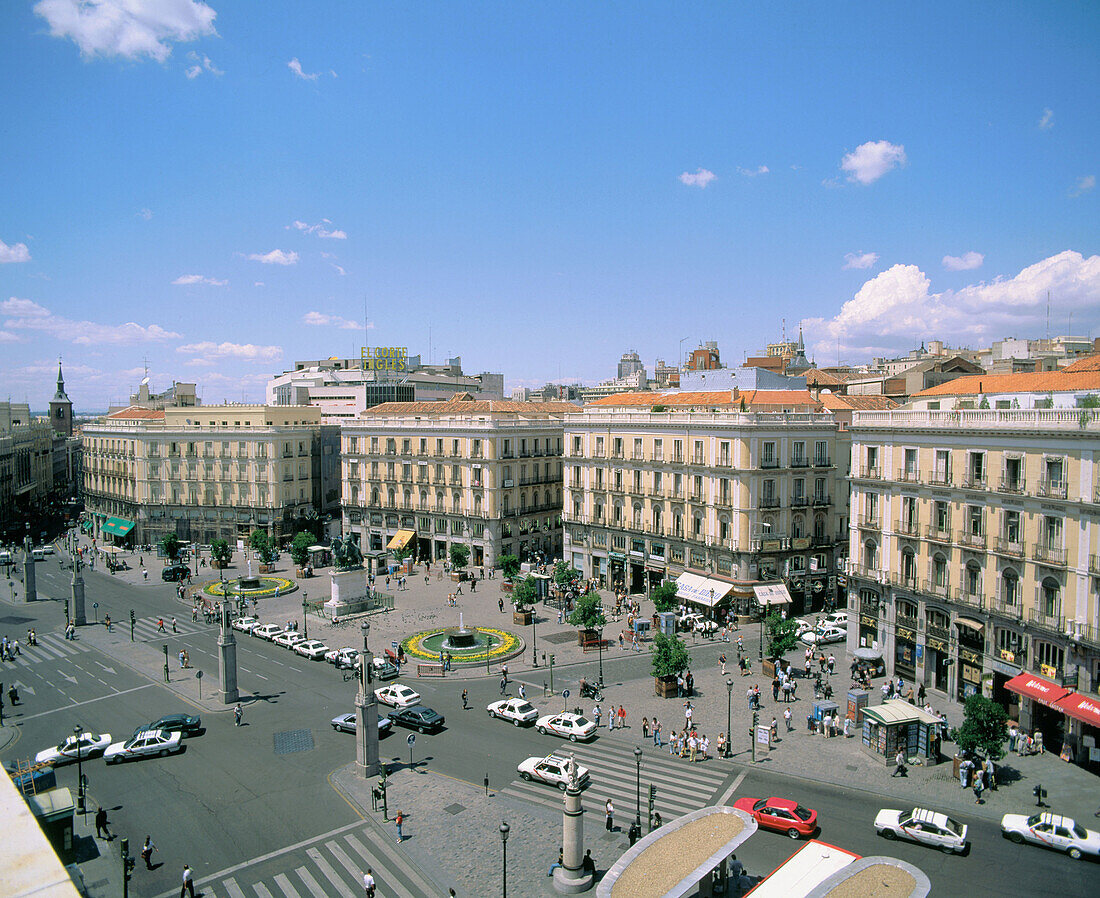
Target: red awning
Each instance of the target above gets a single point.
(1081, 707)
(1043, 691)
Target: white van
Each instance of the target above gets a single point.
(38, 554)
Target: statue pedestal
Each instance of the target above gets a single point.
(570, 878)
(348, 588)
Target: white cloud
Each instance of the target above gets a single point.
(296, 68)
(1084, 184)
(187, 280)
(339, 268)
(127, 28)
(257, 283)
(753, 172)
(248, 352)
(201, 63)
(8, 337)
(896, 310)
(25, 314)
(275, 257)
(16, 253)
(322, 319)
(701, 178)
(145, 214)
(965, 262)
(1046, 121)
(321, 229)
(870, 161)
(860, 260)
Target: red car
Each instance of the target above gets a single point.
(780, 814)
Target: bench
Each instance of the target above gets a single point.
(430, 670)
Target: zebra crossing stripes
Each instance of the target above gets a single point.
(147, 628)
(681, 785)
(49, 648)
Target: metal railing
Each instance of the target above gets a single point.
(1051, 555)
(974, 540)
(907, 528)
(1052, 489)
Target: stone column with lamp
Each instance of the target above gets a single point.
(80, 618)
(571, 878)
(227, 659)
(366, 713)
(30, 592)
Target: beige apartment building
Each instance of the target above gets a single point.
(975, 553)
(481, 473)
(207, 472)
(659, 485)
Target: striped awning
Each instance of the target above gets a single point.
(118, 526)
(400, 539)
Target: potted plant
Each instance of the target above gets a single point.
(588, 617)
(509, 566)
(460, 557)
(524, 595)
(170, 545)
(670, 659)
(261, 543)
(780, 634)
(299, 550)
(220, 554)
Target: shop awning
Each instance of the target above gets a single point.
(1042, 691)
(1080, 707)
(118, 526)
(400, 539)
(772, 594)
(701, 590)
(976, 625)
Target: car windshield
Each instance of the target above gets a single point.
(580, 721)
(953, 827)
(759, 806)
(1034, 819)
(1079, 831)
(802, 813)
(523, 708)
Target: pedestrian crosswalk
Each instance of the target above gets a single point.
(681, 785)
(147, 629)
(332, 866)
(50, 648)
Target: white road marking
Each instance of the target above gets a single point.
(733, 788)
(90, 701)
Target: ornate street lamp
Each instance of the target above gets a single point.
(504, 830)
(638, 786)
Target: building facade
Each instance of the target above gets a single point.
(481, 473)
(207, 472)
(654, 492)
(975, 550)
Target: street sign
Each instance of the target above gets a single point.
(198, 674)
(95, 604)
(393, 644)
(565, 693)
(411, 740)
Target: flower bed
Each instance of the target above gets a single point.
(268, 587)
(506, 644)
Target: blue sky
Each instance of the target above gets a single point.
(223, 188)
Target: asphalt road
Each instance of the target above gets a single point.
(236, 794)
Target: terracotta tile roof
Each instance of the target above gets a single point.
(464, 404)
(824, 378)
(837, 402)
(137, 413)
(1027, 382)
(1088, 363)
(698, 399)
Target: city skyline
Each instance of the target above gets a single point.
(536, 190)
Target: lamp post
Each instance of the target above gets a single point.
(729, 725)
(766, 526)
(534, 650)
(599, 636)
(78, 731)
(305, 619)
(504, 830)
(638, 786)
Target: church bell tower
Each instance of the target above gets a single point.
(61, 407)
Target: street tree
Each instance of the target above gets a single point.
(170, 545)
(984, 728)
(509, 566)
(670, 656)
(525, 593)
(220, 553)
(565, 573)
(261, 543)
(299, 547)
(460, 556)
(780, 633)
(588, 613)
(664, 597)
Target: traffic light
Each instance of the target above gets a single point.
(127, 861)
(133, 617)
(652, 794)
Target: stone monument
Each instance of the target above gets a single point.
(366, 713)
(30, 593)
(80, 619)
(348, 578)
(571, 878)
(227, 659)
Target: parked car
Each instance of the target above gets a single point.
(780, 814)
(384, 669)
(267, 631)
(921, 825)
(332, 655)
(836, 619)
(347, 723)
(552, 769)
(173, 572)
(246, 624)
(288, 639)
(184, 724)
(417, 717)
(89, 745)
(574, 727)
(144, 744)
(1051, 831)
(517, 710)
(311, 648)
(824, 636)
(397, 695)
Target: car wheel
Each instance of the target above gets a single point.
(1017, 838)
(422, 730)
(525, 776)
(561, 786)
(947, 849)
(335, 727)
(515, 723)
(1074, 853)
(542, 730)
(888, 834)
(163, 753)
(793, 833)
(572, 737)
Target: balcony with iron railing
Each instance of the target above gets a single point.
(907, 476)
(821, 499)
(869, 522)
(974, 480)
(1094, 564)
(1014, 548)
(1050, 488)
(769, 501)
(970, 539)
(799, 461)
(855, 569)
(975, 600)
(939, 478)
(907, 528)
(906, 620)
(938, 534)
(1007, 604)
(769, 463)
(905, 581)
(872, 472)
(822, 461)
(933, 588)
(1047, 620)
(1052, 556)
(1012, 484)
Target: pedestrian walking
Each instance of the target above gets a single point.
(978, 790)
(622, 717)
(238, 713)
(787, 719)
(398, 821)
(609, 816)
(503, 684)
(368, 883)
(522, 692)
(645, 727)
(722, 663)
(147, 850)
(101, 824)
(465, 700)
(188, 887)
(656, 732)
(832, 663)
(899, 760)
(687, 715)
(160, 625)
(500, 605)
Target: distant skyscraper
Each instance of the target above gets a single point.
(630, 363)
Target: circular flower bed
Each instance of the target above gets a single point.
(268, 587)
(426, 645)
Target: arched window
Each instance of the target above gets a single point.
(870, 555)
(477, 504)
(439, 501)
(908, 568)
(1051, 597)
(723, 527)
(507, 504)
(798, 527)
(678, 523)
(973, 583)
(618, 514)
(1010, 588)
(819, 527)
(657, 518)
(406, 498)
(423, 500)
(599, 511)
(456, 503)
(636, 516)
(390, 497)
(355, 495)
(939, 571)
(374, 498)
(697, 525)
(546, 499)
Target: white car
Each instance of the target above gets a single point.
(552, 769)
(311, 648)
(802, 626)
(88, 744)
(1052, 831)
(574, 727)
(517, 710)
(824, 636)
(246, 624)
(836, 619)
(921, 825)
(144, 744)
(332, 654)
(288, 639)
(397, 695)
(347, 723)
(268, 631)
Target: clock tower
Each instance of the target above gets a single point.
(61, 407)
